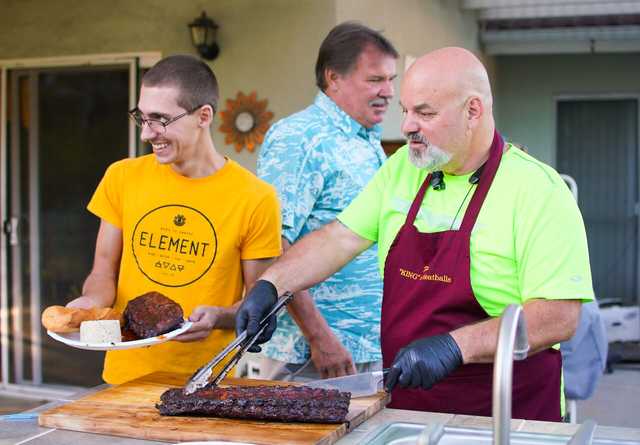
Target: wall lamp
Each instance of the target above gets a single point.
(203, 36)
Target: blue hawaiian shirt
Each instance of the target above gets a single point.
(319, 159)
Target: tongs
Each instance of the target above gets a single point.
(202, 376)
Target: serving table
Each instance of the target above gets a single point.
(14, 432)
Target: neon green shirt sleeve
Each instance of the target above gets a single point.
(551, 245)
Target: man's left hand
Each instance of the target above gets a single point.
(424, 362)
(204, 319)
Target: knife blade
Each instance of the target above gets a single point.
(359, 385)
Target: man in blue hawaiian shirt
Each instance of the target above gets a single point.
(319, 159)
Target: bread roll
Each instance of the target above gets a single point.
(66, 319)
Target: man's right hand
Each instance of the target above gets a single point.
(255, 306)
(82, 302)
(330, 357)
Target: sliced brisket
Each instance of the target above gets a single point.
(152, 314)
(280, 403)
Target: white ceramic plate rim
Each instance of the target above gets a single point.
(73, 339)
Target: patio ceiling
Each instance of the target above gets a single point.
(526, 9)
(557, 26)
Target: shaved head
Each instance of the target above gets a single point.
(446, 96)
(451, 72)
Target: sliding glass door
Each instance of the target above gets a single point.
(64, 126)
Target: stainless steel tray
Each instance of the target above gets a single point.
(400, 433)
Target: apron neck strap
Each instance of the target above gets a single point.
(486, 178)
(417, 202)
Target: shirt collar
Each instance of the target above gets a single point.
(345, 122)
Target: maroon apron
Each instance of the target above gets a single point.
(427, 291)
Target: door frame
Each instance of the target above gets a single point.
(135, 62)
(557, 98)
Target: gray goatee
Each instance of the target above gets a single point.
(430, 158)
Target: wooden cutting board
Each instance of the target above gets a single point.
(128, 410)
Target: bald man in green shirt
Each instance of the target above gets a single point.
(466, 224)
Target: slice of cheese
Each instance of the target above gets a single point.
(100, 331)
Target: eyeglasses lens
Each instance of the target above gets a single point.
(154, 125)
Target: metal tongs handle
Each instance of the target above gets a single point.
(202, 375)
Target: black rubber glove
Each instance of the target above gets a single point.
(424, 362)
(255, 306)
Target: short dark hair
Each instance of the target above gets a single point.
(194, 78)
(343, 45)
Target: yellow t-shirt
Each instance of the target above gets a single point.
(183, 237)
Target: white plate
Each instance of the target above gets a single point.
(73, 339)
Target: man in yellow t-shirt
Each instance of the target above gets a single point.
(184, 221)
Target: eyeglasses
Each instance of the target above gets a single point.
(156, 125)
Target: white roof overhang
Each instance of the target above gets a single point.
(557, 26)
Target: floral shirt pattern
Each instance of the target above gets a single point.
(319, 159)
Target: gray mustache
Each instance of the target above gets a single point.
(379, 101)
(417, 137)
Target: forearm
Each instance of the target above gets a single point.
(548, 322)
(100, 287)
(226, 317)
(307, 316)
(311, 260)
(305, 313)
(315, 257)
(328, 354)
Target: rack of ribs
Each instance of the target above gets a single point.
(280, 403)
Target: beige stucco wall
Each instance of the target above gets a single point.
(531, 84)
(267, 46)
(414, 26)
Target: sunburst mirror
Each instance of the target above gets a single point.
(245, 121)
